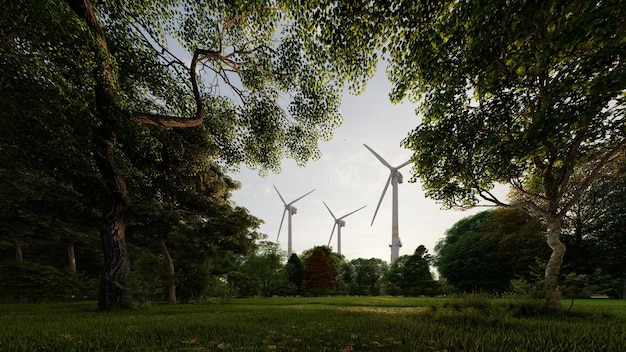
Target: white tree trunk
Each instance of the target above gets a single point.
(171, 282)
(553, 294)
(71, 257)
(18, 251)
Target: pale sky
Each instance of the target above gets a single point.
(348, 177)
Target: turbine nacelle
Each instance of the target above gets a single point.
(339, 223)
(399, 176)
(291, 209)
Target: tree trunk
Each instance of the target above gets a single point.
(18, 251)
(113, 293)
(553, 294)
(71, 257)
(113, 283)
(171, 280)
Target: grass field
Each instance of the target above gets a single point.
(341, 324)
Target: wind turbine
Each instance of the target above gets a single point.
(339, 223)
(395, 177)
(292, 211)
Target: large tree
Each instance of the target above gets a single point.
(508, 91)
(170, 64)
(484, 252)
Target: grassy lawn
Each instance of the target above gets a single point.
(318, 324)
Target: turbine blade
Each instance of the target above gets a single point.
(301, 197)
(331, 213)
(281, 197)
(281, 224)
(331, 234)
(403, 164)
(379, 157)
(381, 198)
(352, 212)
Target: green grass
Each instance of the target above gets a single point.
(318, 324)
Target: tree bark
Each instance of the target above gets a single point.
(171, 279)
(113, 292)
(553, 294)
(18, 251)
(71, 256)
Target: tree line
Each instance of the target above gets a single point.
(499, 251)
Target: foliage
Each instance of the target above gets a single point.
(221, 289)
(596, 237)
(294, 271)
(369, 276)
(411, 276)
(334, 259)
(363, 324)
(484, 252)
(245, 285)
(147, 278)
(318, 277)
(263, 266)
(90, 79)
(587, 286)
(192, 280)
(51, 190)
(537, 95)
(32, 282)
(518, 91)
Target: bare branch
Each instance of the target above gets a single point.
(176, 121)
(606, 159)
(490, 197)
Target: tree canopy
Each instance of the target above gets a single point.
(484, 252)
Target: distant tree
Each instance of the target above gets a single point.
(394, 276)
(368, 275)
(334, 259)
(416, 278)
(520, 238)
(245, 284)
(264, 265)
(294, 271)
(485, 251)
(318, 277)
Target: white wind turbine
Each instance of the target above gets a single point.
(395, 177)
(292, 211)
(339, 223)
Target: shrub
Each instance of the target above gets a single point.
(147, 278)
(32, 282)
(244, 284)
(192, 280)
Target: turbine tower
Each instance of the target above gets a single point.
(289, 208)
(395, 177)
(339, 223)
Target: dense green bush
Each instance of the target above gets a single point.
(244, 284)
(585, 286)
(31, 282)
(147, 278)
(192, 280)
(572, 285)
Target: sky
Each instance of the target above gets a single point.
(347, 177)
